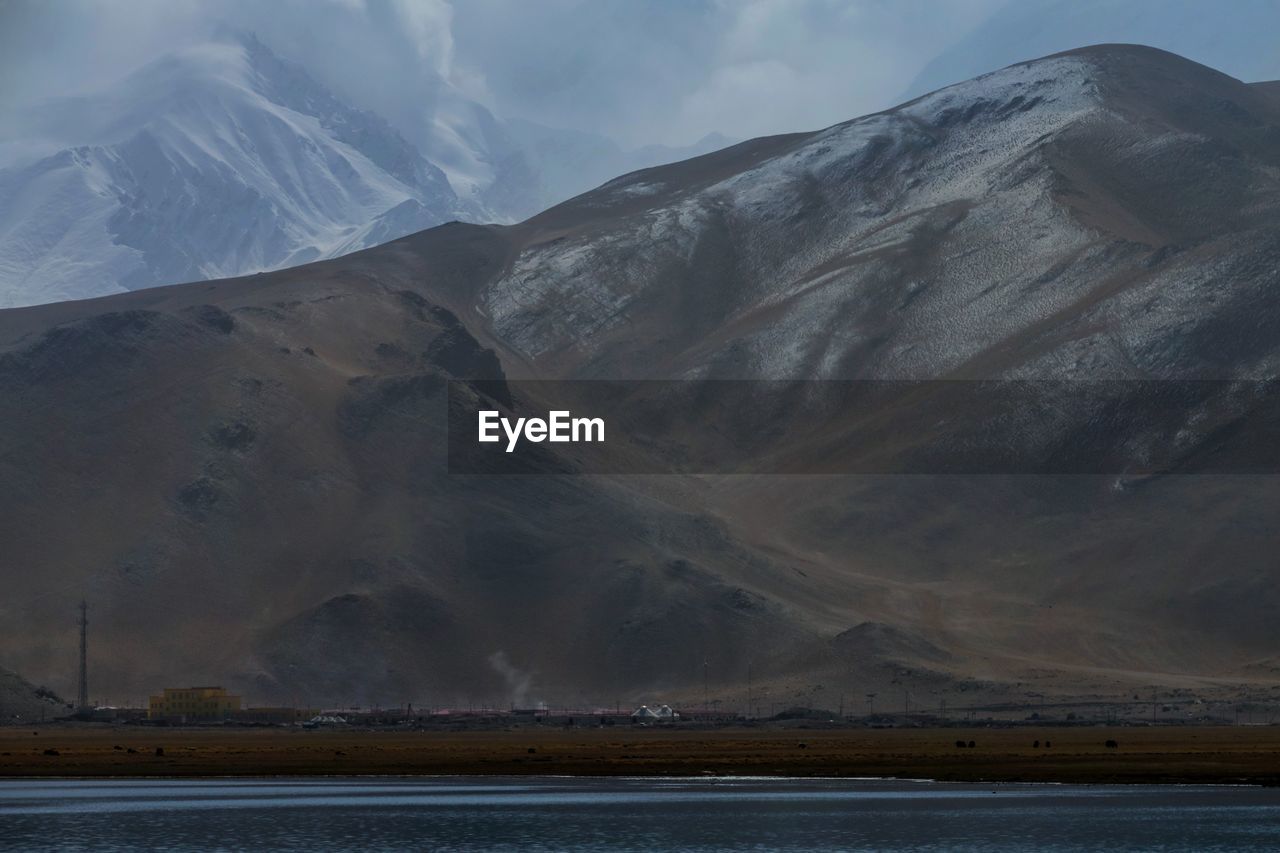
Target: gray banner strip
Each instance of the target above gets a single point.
(1036, 427)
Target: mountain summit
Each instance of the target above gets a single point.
(963, 233)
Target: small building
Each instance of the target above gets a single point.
(193, 703)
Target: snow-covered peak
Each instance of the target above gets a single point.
(216, 160)
(189, 79)
(220, 159)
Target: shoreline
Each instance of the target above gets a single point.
(1158, 755)
(722, 777)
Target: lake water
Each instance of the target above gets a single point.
(628, 814)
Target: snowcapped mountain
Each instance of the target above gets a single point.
(902, 244)
(221, 159)
(212, 161)
(277, 447)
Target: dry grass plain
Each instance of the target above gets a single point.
(1149, 755)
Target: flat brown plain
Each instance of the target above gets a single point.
(1155, 755)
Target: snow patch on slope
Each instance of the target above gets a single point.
(823, 232)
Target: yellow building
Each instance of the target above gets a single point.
(193, 703)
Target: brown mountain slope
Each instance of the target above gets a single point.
(247, 477)
(251, 487)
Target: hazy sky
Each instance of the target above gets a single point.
(639, 71)
(659, 71)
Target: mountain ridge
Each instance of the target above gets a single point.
(280, 438)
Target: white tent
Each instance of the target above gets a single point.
(645, 714)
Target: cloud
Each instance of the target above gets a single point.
(668, 71)
(662, 71)
(675, 71)
(390, 56)
(517, 681)
(787, 65)
(750, 98)
(428, 24)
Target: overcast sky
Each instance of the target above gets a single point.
(640, 72)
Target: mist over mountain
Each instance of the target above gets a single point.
(154, 180)
(212, 161)
(262, 459)
(1237, 43)
(220, 159)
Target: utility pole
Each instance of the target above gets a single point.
(82, 696)
(871, 704)
(1153, 706)
(706, 693)
(748, 690)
